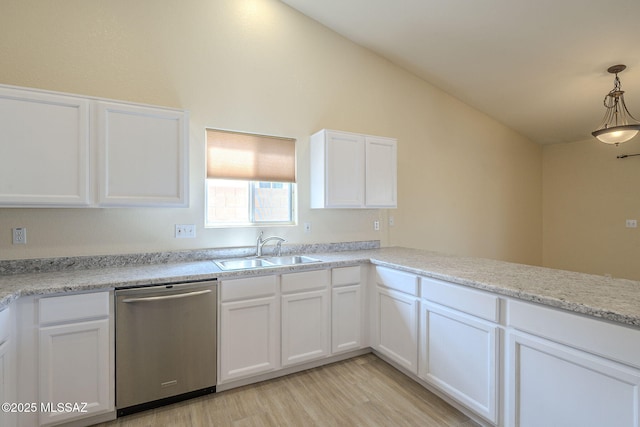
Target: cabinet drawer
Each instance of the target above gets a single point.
(477, 303)
(305, 281)
(67, 308)
(250, 287)
(5, 324)
(398, 280)
(345, 276)
(612, 341)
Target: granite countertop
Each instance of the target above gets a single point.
(617, 300)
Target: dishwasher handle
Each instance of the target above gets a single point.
(167, 297)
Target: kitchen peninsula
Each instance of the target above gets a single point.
(426, 313)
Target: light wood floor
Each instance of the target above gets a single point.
(363, 391)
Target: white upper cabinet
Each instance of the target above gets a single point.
(142, 156)
(337, 170)
(70, 150)
(381, 172)
(350, 170)
(44, 149)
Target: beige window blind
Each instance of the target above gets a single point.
(235, 155)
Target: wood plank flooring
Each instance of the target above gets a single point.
(363, 391)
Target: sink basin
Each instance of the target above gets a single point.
(248, 263)
(243, 264)
(292, 260)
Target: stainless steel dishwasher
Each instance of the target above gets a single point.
(165, 344)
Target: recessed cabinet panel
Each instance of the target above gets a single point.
(60, 150)
(8, 378)
(142, 156)
(345, 171)
(249, 337)
(550, 384)
(381, 172)
(616, 342)
(477, 303)
(75, 367)
(67, 308)
(396, 327)
(44, 149)
(459, 356)
(350, 170)
(306, 326)
(305, 281)
(248, 287)
(346, 318)
(337, 170)
(345, 276)
(398, 280)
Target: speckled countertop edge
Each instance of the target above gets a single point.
(617, 300)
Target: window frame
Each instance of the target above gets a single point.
(267, 157)
(293, 203)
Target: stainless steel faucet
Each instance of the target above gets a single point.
(260, 242)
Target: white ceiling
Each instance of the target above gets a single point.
(538, 66)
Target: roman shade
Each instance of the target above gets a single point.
(250, 157)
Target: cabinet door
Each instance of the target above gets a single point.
(396, 327)
(74, 368)
(249, 338)
(346, 318)
(143, 156)
(7, 381)
(8, 386)
(306, 327)
(381, 172)
(44, 149)
(345, 173)
(550, 384)
(458, 354)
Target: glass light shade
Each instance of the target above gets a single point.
(617, 134)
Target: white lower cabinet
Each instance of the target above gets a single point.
(551, 384)
(249, 328)
(458, 355)
(569, 370)
(280, 321)
(75, 357)
(347, 309)
(7, 366)
(74, 370)
(346, 322)
(395, 315)
(459, 344)
(306, 316)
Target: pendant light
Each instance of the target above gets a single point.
(618, 125)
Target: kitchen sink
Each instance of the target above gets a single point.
(248, 263)
(292, 260)
(243, 264)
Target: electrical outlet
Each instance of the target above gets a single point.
(632, 223)
(392, 221)
(307, 227)
(20, 236)
(376, 225)
(184, 231)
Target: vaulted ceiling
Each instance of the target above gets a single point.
(537, 66)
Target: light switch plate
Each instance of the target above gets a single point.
(185, 231)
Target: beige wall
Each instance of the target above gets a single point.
(466, 184)
(588, 195)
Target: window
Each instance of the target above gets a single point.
(250, 179)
